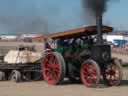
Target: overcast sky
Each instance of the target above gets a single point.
(47, 16)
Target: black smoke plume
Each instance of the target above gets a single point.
(97, 7)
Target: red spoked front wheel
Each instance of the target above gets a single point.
(90, 73)
(113, 73)
(53, 68)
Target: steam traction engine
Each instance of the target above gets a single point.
(80, 55)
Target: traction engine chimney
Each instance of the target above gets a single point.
(99, 29)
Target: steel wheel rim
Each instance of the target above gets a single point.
(89, 74)
(51, 69)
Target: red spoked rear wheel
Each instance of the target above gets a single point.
(53, 68)
(113, 73)
(90, 73)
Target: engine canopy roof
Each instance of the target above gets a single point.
(85, 31)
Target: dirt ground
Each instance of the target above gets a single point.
(41, 88)
(122, 57)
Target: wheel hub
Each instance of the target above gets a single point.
(112, 72)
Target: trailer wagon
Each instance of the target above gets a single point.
(17, 71)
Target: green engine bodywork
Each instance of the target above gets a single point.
(74, 51)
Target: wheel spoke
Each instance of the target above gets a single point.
(48, 72)
(85, 73)
(50, 62)
(47, 66)
(116, 76)
(50, 77)
(57, 70)
(55, 76)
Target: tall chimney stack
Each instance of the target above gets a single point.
(99, 29)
